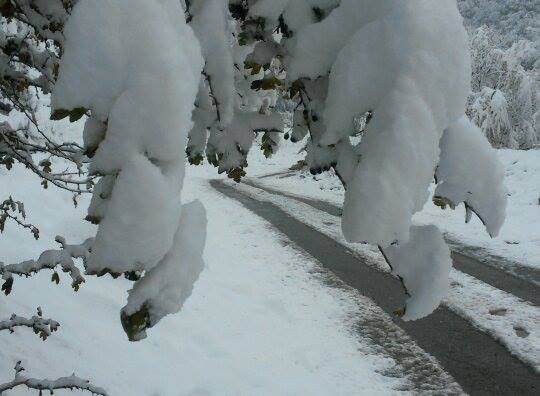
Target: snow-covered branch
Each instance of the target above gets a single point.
(504, 102)
(41, 326)
(72, 382)
(212, 72)
(31, 43)
(17, 145)
(50, 259)
(14, 211)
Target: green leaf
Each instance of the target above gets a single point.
(135, 325)
(443, 202)
(76, 114)
(266, 84)
(55, 278)
(93, 219)
(59, 114)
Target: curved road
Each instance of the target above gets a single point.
(477, 362)
(522, 283)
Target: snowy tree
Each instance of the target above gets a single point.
(163, 81)
(489, 110)
(514, 19)
(504, 99)
(72, 382)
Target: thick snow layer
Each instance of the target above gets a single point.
(139, 75)
(416, 48)
(398, 156)
(464, 148)
(140, 220)
(256, 315)
(298, 14)
(122, 53)
(114, 70)
(408, 65)
(316, 46)
(167, 286)
(413, 101)
(423, 264)
(210, 25)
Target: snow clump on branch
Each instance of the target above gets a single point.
(137, 75)
(155, 73)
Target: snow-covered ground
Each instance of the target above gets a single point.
(517, 246)
(472, 299)
(259, 321)
(519, 239)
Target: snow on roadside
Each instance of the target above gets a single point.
(506, 318)
(519, 239)
(510, 320)
(257, 322)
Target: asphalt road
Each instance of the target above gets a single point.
(476, 361)
(523, 283)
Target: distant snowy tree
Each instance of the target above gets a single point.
(505, 97)
(160, 73)
(514, 19)
(489, 110)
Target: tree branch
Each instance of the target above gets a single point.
(43, 327)
(50, 259)
(71, 382)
